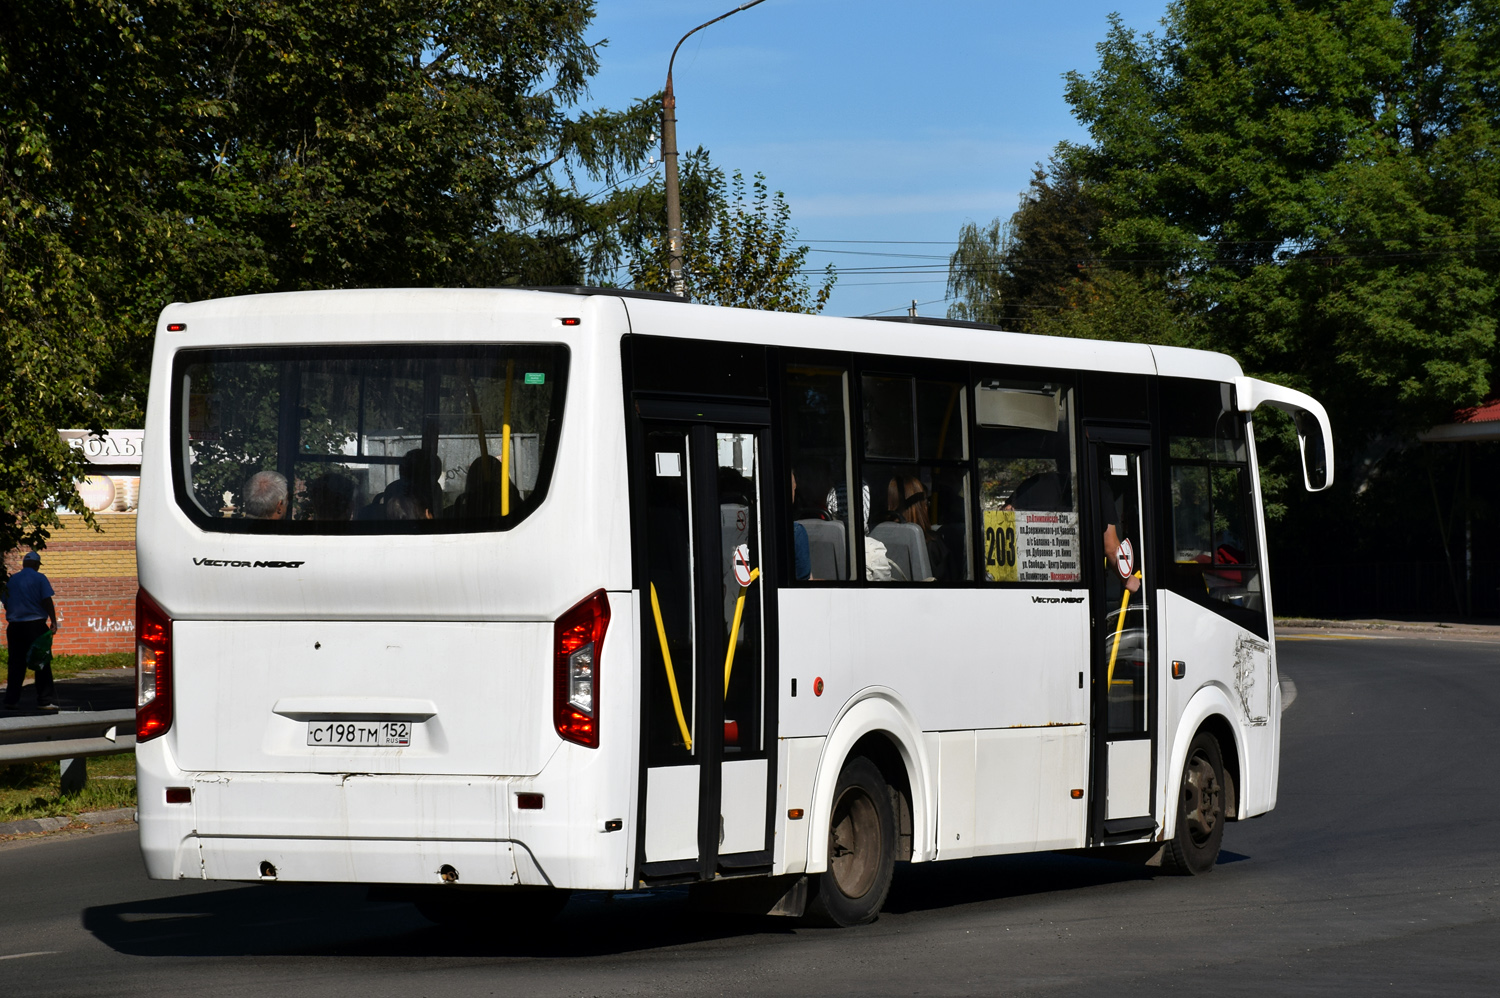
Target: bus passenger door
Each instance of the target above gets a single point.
(1124, 642)
(707, 723)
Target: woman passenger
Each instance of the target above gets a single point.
(906, 501)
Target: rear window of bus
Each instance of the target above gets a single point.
(366, 439)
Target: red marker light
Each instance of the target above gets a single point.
(176, 327)
(529, 802)
(571, 321)
(818, 687)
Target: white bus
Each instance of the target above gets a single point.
(483, 596)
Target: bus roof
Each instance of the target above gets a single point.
(661, 315)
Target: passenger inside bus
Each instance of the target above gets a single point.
(907, 506)
(1042, 492)
(330, 497)
(419, 473)
(1119, 512)
(265, 496)
(483, 496)
(406, 508)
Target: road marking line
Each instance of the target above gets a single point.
(22, 956)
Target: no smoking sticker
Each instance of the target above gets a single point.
(742, 565)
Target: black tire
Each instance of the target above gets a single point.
(1194, 848)
(861, 850)
(503, 907)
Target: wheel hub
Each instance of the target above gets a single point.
(854, 846)
(1202, 799)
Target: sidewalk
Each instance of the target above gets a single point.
(96, 689)
(1467, 630)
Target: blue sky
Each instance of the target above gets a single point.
(880, 120)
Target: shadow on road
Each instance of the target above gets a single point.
(319, 920)
(930, 886)
(324, 920)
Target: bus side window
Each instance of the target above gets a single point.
(1028, 481)
(1215, 560)
(915, 479)
(816, 409)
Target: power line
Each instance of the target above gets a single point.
(903, 256)
(900, 307)
(887, 242)
(880, 284)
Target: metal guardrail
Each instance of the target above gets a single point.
(66, 736)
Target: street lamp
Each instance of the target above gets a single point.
(669, 157)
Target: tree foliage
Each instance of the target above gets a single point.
(160, 150)
(1311, 187)
(1040, 271)
(738, 244)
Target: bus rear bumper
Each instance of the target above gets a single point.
(382, 829)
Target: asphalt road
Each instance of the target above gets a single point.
(1377, 873)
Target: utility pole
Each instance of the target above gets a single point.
(669, 159)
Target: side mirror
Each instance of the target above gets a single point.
(1314, 432)
(1314, 454)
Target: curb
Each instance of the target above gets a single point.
(87, 818)
(1410, 627)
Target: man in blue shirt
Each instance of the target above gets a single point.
(29, 613)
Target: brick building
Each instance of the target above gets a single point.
(93, 573)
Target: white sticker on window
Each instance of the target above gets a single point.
(668, 464)
(1119, 464)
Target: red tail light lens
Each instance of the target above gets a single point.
(153, 668)
(577, 638)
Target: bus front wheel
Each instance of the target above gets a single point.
(1194, 848)
(861, 850)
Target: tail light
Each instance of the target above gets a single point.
(153, 668)
(578, 637)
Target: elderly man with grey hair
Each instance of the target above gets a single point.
(265, 496)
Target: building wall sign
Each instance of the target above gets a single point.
(97, 492)
(116, 447)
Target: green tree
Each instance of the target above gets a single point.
(1013, 271)
(1311, 187)
(738, 245)
(161, 150)
(50, 333)
(1319, 182)
(1040, 271)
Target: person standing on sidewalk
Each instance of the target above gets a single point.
(29, 613)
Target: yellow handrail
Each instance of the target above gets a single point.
(1109, 679)
(661, 634)
(510, 373)
(734, 630)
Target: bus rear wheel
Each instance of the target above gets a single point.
(1194, 848)
(861, 850)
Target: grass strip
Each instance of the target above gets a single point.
(66, 666)
(33, 789)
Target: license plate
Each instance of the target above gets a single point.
(359, 734)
